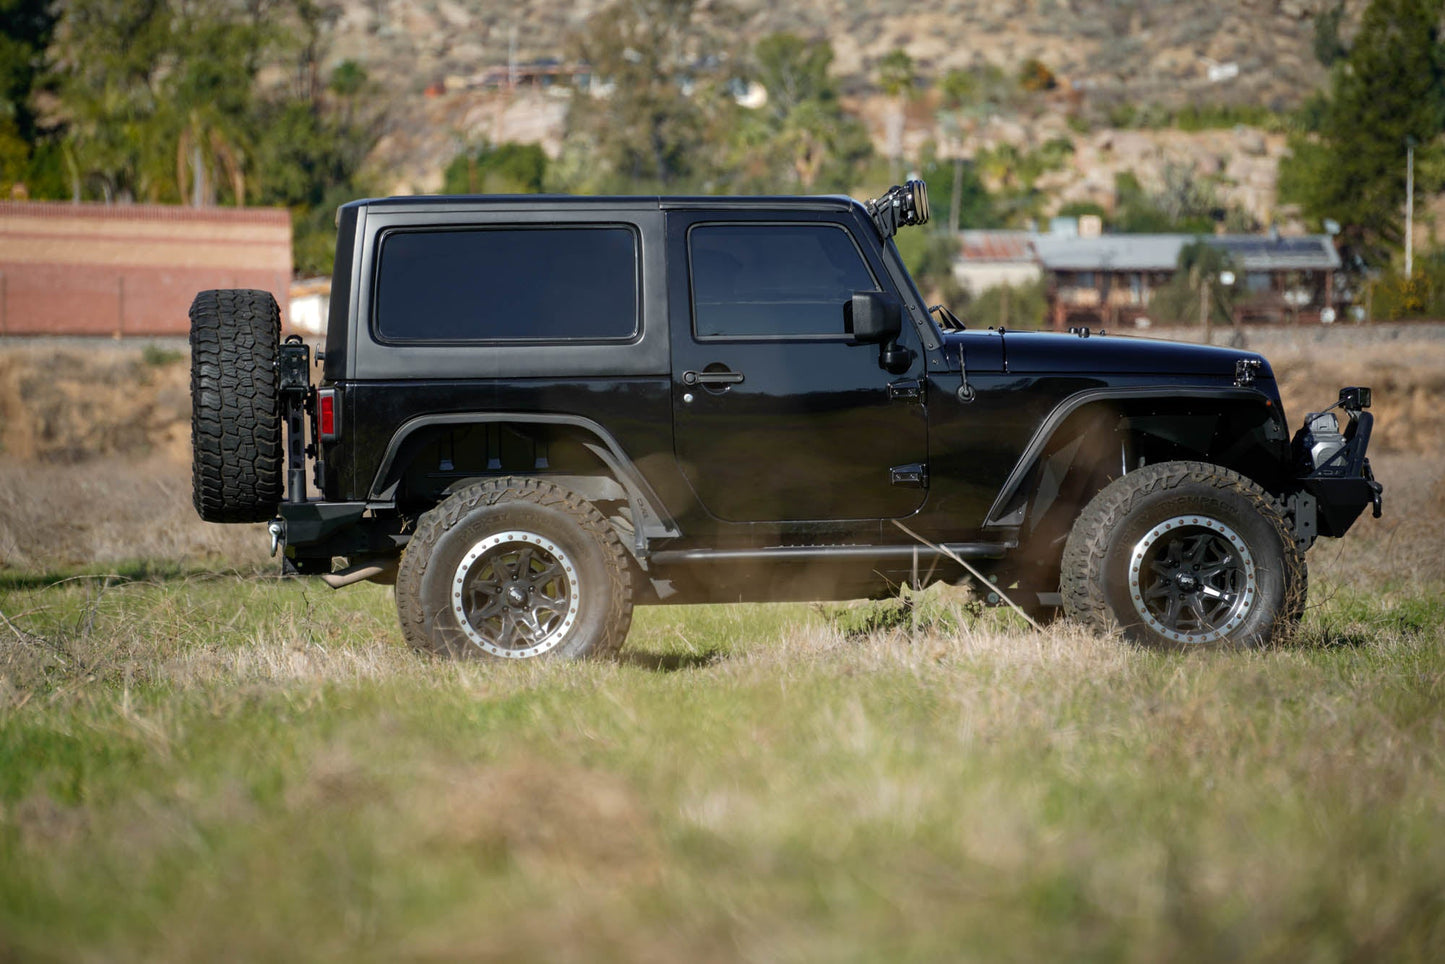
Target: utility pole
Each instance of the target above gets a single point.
(512, 58)
(955, 200)
(1409, 207)
(1204, 316)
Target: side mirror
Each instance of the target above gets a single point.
(872, 318)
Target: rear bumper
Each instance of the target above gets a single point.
(315, 532)
(312, 523)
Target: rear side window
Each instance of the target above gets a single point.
(773, 280)
(508, 284)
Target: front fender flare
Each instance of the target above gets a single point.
(1005, 509)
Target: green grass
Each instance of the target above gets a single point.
(194, 767)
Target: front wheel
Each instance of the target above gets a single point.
(514, 569)
(1182, 555)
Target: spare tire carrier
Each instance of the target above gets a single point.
(294, 369)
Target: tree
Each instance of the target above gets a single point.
(1196, 286)
(793, 71)
(1329, 47)
(111, 57)
(897, 75)
(25, 30)
(929, 256)
(898, 79)
(802, 135)
(1082, 209)
(955, 186)
(978, 91)
(504, 169)
(1186, 203)
(1388, 92)
(970, 98)
(1035, 77)
(1015, 173)
(1024, 305)
(666, 66)
(210, 101)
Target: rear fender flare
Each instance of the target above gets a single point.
(651, 518)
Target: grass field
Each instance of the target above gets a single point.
(200, 761)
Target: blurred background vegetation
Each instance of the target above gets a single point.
(246, 102)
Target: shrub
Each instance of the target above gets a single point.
(1012, 306)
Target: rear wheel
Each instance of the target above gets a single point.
(1183, 555)
(514, 569)
(236, 457)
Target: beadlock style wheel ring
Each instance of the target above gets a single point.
(515, 594)
(1192, 579)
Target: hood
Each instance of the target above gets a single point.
(1029, 351)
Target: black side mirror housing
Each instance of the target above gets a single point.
(873, 318)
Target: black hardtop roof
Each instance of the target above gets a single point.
(441, 202)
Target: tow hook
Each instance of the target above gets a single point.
(277, 528)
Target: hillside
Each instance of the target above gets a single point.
(1111, 48)
(1113, 55)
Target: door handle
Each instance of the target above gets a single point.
(711, 378)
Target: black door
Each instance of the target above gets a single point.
(776, 417)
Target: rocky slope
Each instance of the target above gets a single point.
(1109, 52)
(1149, 51)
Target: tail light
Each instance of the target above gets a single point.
(328, 415)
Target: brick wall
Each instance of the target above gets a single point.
(98, 269)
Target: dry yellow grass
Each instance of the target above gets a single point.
(109, 510)
(227, 765)
(202, 767)
(1408, 379)
(74, 404)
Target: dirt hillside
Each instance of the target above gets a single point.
(75, 404)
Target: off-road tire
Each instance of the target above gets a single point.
(1115, 557)
(237, 471)
(557, 526)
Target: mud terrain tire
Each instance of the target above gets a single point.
(1184, 555)
(236, 456)
(514, 569)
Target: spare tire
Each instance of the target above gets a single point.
(237, 467)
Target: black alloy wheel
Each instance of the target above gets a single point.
(1183, 555)
(514, 569)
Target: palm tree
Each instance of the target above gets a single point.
(897, 78)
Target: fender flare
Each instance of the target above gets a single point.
(650, 515)
(1070, 404)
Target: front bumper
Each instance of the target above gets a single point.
(1333, 491)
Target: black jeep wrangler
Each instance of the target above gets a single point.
(535, 412)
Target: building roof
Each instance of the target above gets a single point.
(1266, 252)
(1110, 252)
(1160, 252)
(997, 246)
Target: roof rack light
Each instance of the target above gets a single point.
(902, 205)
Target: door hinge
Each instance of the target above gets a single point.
(913, 476)
(906, 389)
